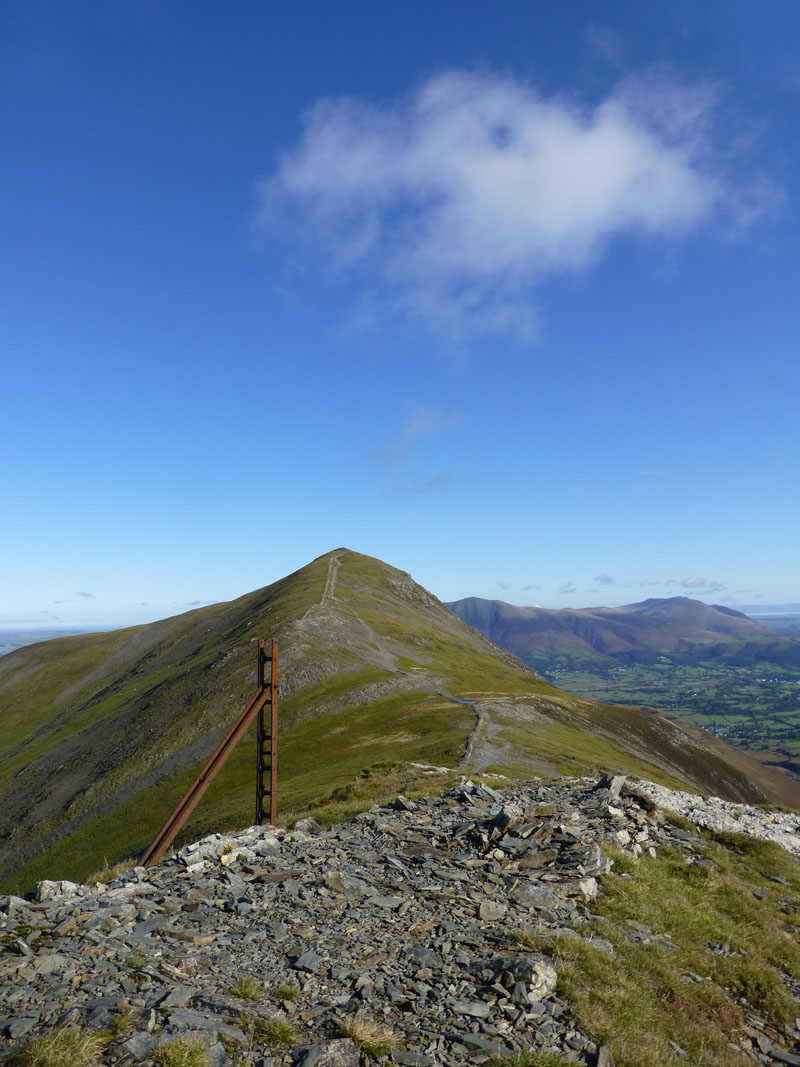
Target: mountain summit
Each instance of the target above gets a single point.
(102, 733)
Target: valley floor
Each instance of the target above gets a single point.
(754, 708)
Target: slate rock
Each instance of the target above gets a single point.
(140, 1045)
(341, 1052)
(15, 1028)
(308, 826)
(307, 961)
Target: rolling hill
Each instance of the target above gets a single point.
(101, 733)
(684, 629)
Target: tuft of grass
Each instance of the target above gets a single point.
(108, 871)
(60, 1047)
(185, 1052)
(530, 1058)
(680, 821)
(135, 961)
(285, 992)
(124, 1024)
(379, 782)
(275, 1032)
(247, 988)
(373, 1037)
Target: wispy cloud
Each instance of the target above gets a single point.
(605, 579)
(452, 204)
(697, 585)
(568, 588)
(504, 585)
(605, 44)
(437, 483)
(424, 420)
(87, 596)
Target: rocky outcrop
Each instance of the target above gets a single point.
(279, 945)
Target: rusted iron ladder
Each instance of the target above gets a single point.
(267, 758)
(266, 693)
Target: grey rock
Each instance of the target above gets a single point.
(485, 1044)
(341, 1052)
(178, 997)
(308, 826)
(308, 961)
(140, 1045)
(613, 783)
(385, 902)
(52, 964)
(218, 1056)
(478, 1009)
(490, 910)
(15, 1028)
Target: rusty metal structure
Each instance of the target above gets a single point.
(266, 694)
(267, 740)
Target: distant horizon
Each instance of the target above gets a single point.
(16, 627)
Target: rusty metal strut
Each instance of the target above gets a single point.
(266, 693)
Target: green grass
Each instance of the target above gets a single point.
(247, 988)
(370, 1035)
(285, 992)
(644, 989)
(757, 706)
(275, 1033)
(184, 1052)
(62, 1047)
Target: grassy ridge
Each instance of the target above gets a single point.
(106, 731)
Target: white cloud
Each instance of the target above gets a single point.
(451, 205)
(604, 579)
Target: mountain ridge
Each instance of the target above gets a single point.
(103, 732)
(679, 626)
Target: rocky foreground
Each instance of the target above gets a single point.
(271, 945)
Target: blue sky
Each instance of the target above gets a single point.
(506, 296)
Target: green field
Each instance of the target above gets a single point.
(755, 708)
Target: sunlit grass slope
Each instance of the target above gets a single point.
(721, 940)
(102, 733)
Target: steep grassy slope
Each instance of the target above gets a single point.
(101, 733)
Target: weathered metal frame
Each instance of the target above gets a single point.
(267, 763)
(266, 693)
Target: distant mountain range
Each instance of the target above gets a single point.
(686, 630)
(13, 639)
(100, 734)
